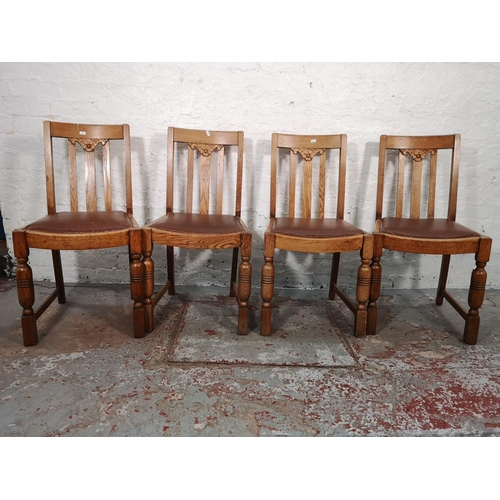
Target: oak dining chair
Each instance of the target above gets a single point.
(94, 223)
(415, 163)
(205, 218)
(298, 162)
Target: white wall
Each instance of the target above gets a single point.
(363, 100)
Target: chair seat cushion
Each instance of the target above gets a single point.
(314, 228)
(198, 223)
(81, 222)
(426, 228)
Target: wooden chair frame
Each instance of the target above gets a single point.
(202, 230)
(314, 235)
(427, 235)
(79, 229)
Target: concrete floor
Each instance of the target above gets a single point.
(193, 376)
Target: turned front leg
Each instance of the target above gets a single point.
(25, 289)
(476, 291)
(376, 278)
(149, 279)
(363, 287)
(476, 297)
(26, 295)
(137, 281)
(267, 285)
(244, 284)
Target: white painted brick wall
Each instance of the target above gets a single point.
(361, 100)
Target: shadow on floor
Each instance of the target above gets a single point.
(193, 376)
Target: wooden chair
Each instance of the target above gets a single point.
(83, 227)
(306, 233)
(419, 231)
(202, 224)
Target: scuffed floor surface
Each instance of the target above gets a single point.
(193, 376)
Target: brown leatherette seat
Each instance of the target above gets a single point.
(198, 223)
(426, 228)
(314, 228)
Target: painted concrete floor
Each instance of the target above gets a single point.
(193, 376)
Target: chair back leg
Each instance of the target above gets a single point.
(234, 268)
(334, 275)
(170, 270)
(58, 273)
(443, 277)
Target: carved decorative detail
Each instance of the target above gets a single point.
(205, 149)
(308, 153)
(88, 144)
(418, 154)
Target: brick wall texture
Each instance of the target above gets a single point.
(362, 100)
